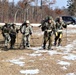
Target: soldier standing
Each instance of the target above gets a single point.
(48, 32)
(5, 33)
(12, 35)
(59, 28)
(26, 31)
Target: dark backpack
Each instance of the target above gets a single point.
(43, 26)
(24, 24)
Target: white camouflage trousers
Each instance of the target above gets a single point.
(7, 39)
(25, 40)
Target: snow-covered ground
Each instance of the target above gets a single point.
(30, 72)
(67, 52)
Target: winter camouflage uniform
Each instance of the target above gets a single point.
(48, 32)
(26, 30)
(5, 33)
(59, 28)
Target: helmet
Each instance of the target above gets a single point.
(13, 24)
(6, 23)
(50, 18)
(27, 21)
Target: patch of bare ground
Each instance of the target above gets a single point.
(46, 64)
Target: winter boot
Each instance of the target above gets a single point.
(27, 44)
(44, 46)
(54, 43)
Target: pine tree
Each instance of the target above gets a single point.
(72, 7)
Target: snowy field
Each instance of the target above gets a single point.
(36, 61)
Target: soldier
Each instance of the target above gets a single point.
(5, 33)
(58, 34)
(12, 35)
(48, 32)
(26, 31)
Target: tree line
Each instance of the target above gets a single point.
(34, 10)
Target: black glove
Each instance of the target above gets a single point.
(23, 33)
(65, 26)
(30, 33)
(17, 30)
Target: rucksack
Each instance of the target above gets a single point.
(24, 24)
(43, 26)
